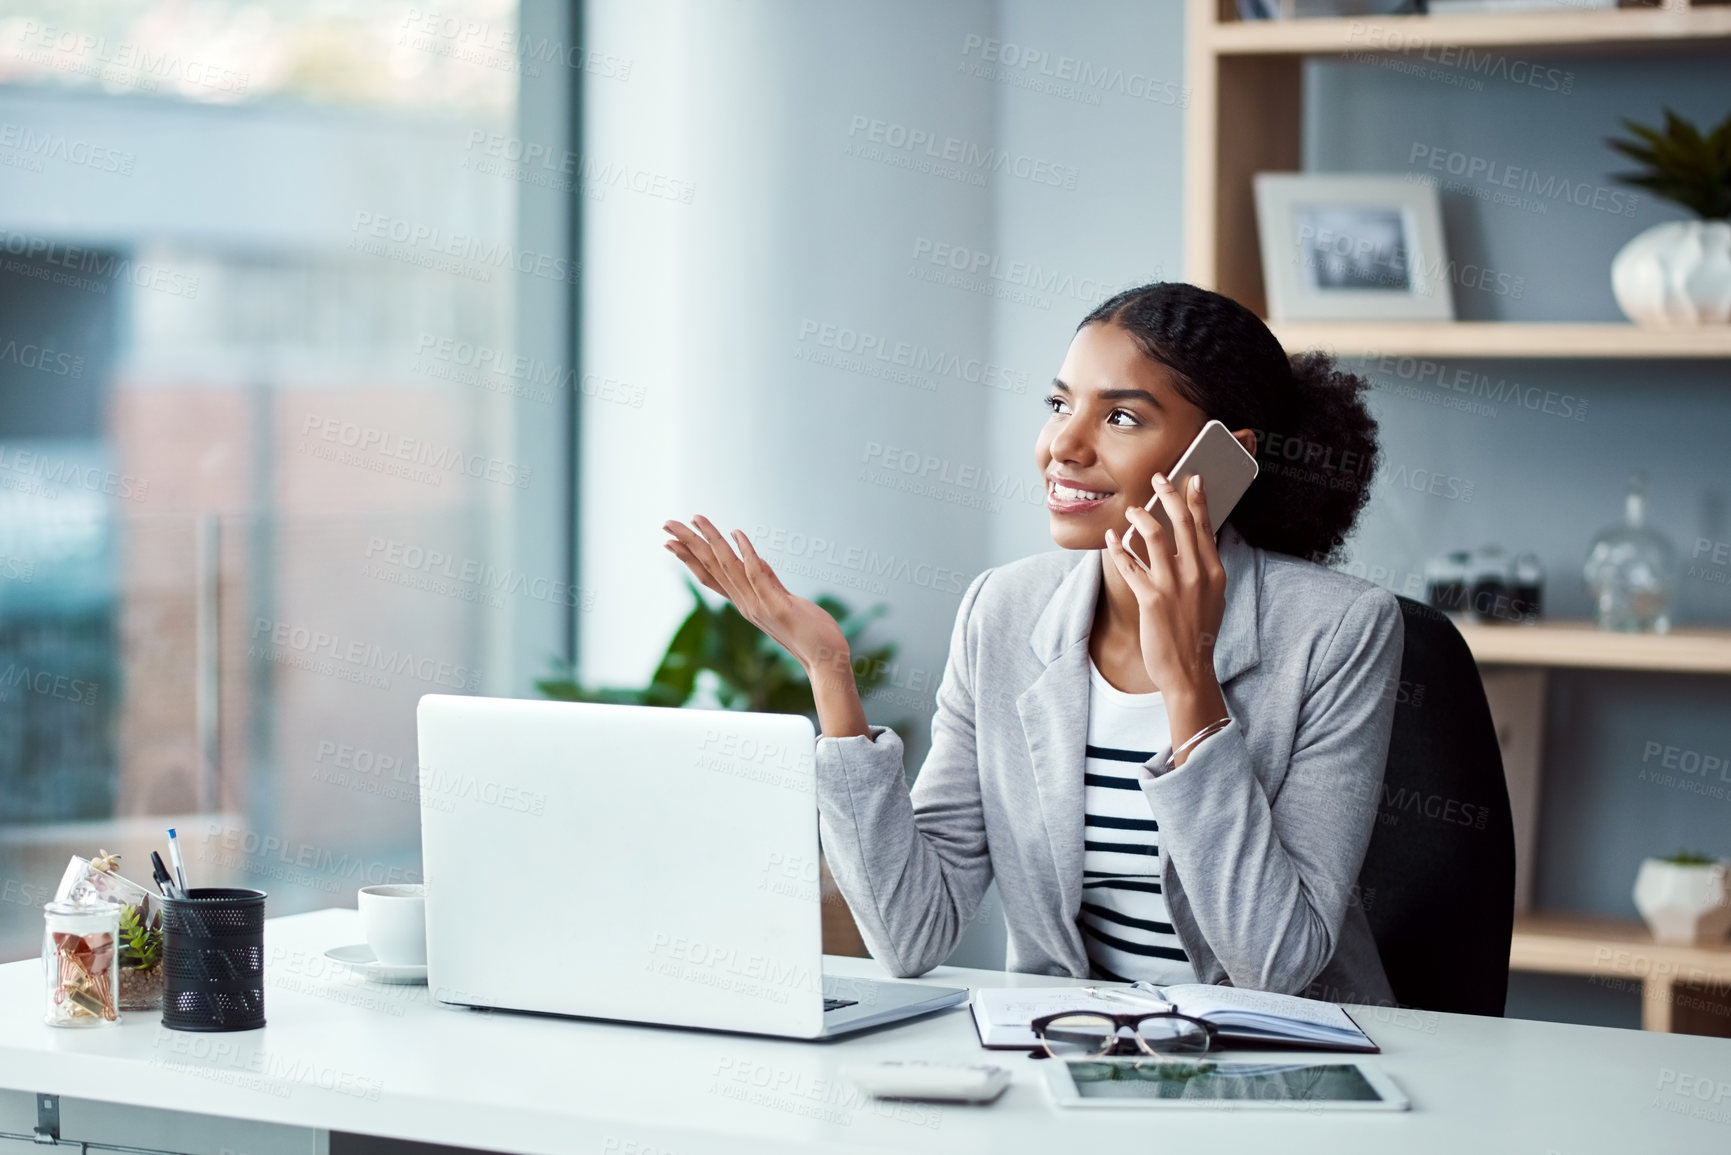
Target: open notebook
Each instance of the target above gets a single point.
(1245, 1017)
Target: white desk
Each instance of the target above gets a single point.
(342, 1055)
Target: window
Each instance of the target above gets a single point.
(283, 413)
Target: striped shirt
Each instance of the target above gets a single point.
(1123, 920)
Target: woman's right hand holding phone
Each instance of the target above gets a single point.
(801, 627)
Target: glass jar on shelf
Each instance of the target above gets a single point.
(1631, 570)
(1445, 582)
(1527, 588)
(81, 963)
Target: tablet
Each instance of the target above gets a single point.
(1300, 1085)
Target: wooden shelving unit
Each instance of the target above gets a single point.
(1560, 340)
(1619, 951)
(1245, 116)
(1616, 29)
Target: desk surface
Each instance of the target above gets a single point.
(342, 1054)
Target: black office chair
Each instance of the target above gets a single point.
(1438, 881)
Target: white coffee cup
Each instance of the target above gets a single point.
(394, 919)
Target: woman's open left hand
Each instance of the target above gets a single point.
(804, 629)
(1181, 592)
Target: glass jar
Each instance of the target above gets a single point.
(1631, 570)
(1445, 582)
(1527, 588)
(81, 963)
(1488, 585)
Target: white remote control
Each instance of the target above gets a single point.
(943, 1082)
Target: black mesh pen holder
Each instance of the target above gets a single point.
(213, 960)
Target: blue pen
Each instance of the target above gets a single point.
(174, 857)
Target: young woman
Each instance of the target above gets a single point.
(1170, 768)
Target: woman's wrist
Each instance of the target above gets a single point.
(834, 692)
(1190, 710)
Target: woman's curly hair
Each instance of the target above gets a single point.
(1315, 440)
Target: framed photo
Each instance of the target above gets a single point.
(1352, 248)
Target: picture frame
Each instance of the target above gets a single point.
(1352, 247)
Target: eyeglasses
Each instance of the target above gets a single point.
(1092, 1035)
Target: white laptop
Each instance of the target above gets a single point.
(633, 863)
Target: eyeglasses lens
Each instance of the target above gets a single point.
(1079, 1036)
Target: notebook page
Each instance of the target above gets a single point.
(1003, 1013)
(1203, 1000)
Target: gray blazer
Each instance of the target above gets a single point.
(1264, 827)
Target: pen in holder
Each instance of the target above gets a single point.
(213, 960)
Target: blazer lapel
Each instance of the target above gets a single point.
(1054, 709)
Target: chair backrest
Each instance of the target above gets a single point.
(1438, 881)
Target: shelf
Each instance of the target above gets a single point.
(1503, 339)
(1577, 945)
(1581, 645)
(1617, 28)
(1619, 951)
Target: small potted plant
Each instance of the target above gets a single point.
(140, 926)
(1685, 898)
(1678, 274)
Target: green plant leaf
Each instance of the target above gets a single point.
(752, 671)
(1680, 163)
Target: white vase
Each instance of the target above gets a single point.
(1685, 905)
(1676, 275)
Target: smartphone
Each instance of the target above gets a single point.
(1226, 469)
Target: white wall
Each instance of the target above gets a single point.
(702, 305)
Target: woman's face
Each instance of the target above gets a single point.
(1116, 421)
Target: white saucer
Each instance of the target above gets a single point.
(359, 958)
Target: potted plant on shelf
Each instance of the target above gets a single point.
(1684, 898)
(1678, 274)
